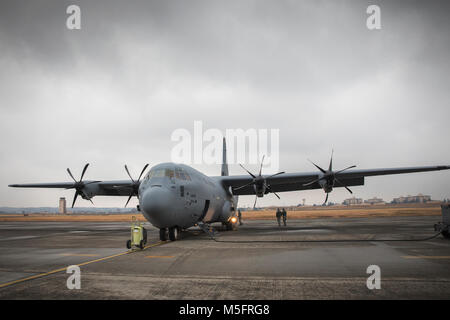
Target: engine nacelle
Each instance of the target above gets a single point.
(327, 185)
(260, 189)
(89, 191)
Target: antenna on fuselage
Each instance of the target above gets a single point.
(224, 159)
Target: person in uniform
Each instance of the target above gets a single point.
(284, 214)
(240, 217)
(278, 217)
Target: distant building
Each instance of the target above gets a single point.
(352, 201)
(420, 198)
(62, 206)
(374, 200)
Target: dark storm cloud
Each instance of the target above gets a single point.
(113, 92)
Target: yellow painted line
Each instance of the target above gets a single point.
(31, 278)
(159, 256)
(79, 255)
(80, 264)
(426, 257)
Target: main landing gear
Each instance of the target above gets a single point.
(174, 233)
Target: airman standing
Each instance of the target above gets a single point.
(279, 217)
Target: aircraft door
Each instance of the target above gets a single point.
(205, 210)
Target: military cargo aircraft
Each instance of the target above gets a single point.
(174, 197)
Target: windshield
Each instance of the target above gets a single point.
(178, 173)
(159, 173)
(181, 174)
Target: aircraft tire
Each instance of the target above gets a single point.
(162, 234)
(173, 234)
(229, 226)
(446, 234)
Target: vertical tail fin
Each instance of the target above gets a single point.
(224, 159)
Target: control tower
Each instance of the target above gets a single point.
(62, 206)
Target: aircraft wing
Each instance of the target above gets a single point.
(296, 181)
(90, 188)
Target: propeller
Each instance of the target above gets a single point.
(135, 183)
(79, 185)
(259, 182)
(329, 178)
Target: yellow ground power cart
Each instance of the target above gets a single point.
(138, 235)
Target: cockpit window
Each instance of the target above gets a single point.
(159, 173)
(181, 174)
(169, 173)
(178, 173)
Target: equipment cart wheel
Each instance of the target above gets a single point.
(129, 244)
(446, 234)
(144, 235)
(141, 244)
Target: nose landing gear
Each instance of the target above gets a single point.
(163, 234)
(174, 233)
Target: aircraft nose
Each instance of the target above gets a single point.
(156, 206)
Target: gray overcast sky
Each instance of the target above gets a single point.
(114, 91)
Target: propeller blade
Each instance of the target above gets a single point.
(129, 198)
(245, 185)
(323, 171)
(91, 201)
(70, 173)
(145, 167)
(254, 205)
(312, 182)
(126, 169)
(75, 198)
(348, 189)
(271, 191)
(330, 167)
(262, 162)
(273, 175)
(84, 171)
(248, 171)
(344, 169)
(86, 183)
(326, 199)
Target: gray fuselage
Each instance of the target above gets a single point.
(176, 195)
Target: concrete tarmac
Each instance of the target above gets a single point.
(34, 255)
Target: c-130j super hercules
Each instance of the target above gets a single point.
(173, 197)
